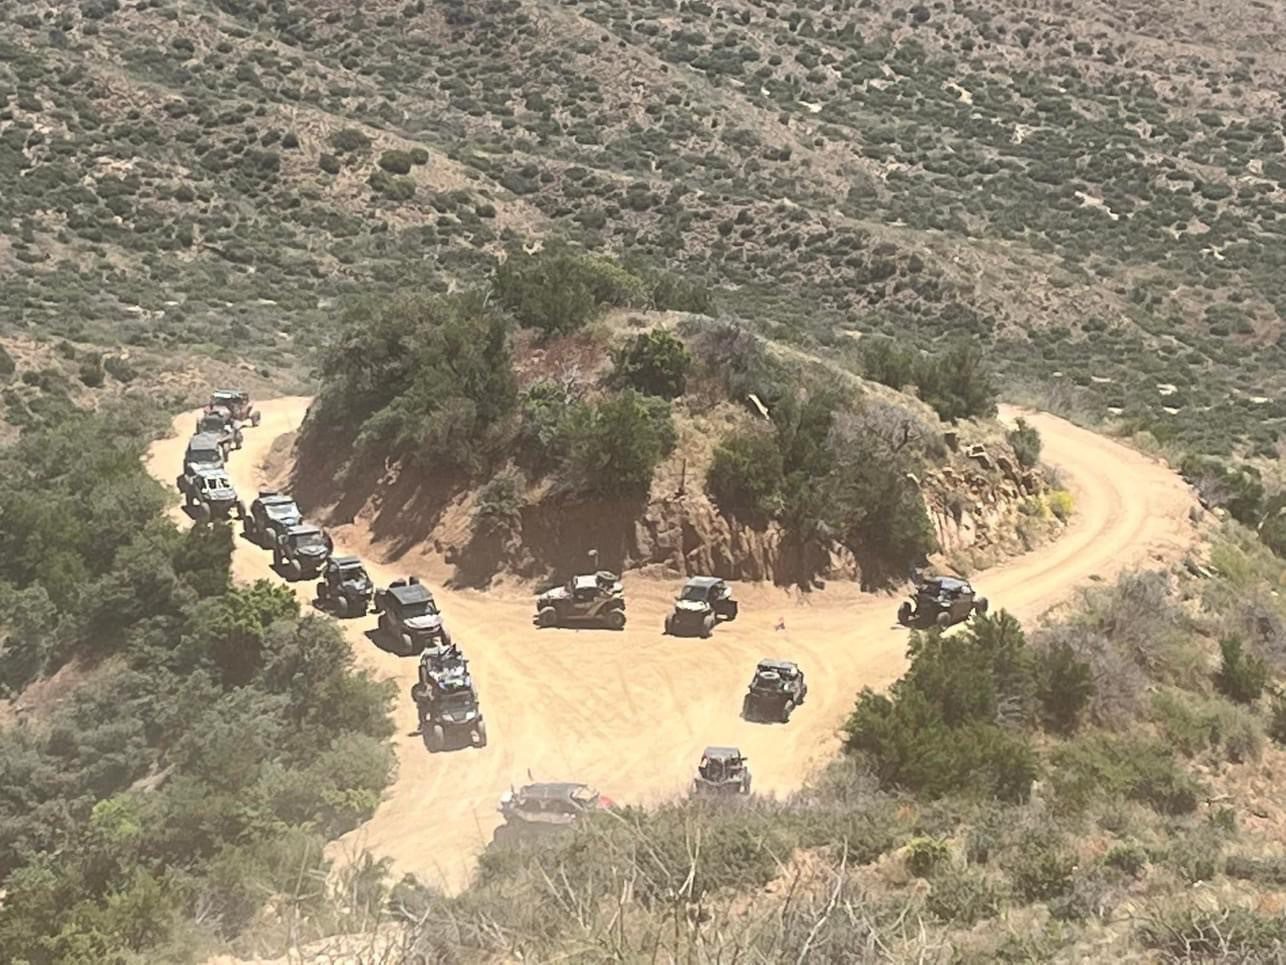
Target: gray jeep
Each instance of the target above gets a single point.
(269, 517)
(776, 689)
(409, 615)
(302, 551)
(596, 598)
(941, 602)
(217, 421)
(447, 699)
(703, 602)
(345, 588)
(723, 770)
(208, 493)
(536, 810)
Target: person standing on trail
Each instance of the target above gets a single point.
(781, 624)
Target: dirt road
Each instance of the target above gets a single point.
(630, 712)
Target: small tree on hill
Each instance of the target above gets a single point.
(1242, 676)
(655, 363)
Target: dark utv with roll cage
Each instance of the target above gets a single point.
(447, 699)
(776, 689)
(941, 601)
(703, 602)
(269, 518)
(302, 551)
(545, 808)
(237, 402)
(723, 770)
(594, 599)
(410, 616)
(345, 588)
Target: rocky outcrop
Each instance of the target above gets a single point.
(975, 499)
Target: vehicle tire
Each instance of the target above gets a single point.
(747, 708)
(293, 570)
(203, 512)
(904, 614)
(241, 510)
(669, 626)
(943, 620)
(980, 605)
(707, 627)
(745, 785)
(255, 417)
(787, 709)
(248, 529)
(480, 733)
(615, 619)
(437, 738)
(341, 606)
(409, 645)
(276, 557)
(446, 637)
(547, 617)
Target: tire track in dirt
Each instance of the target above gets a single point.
(631, 711)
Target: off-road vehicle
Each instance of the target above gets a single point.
(941, 602)
(595, 598)
(776, 689)
(237, 402)
(209, 494)
(217, 421)
(345, 587)
(704, 601)
(537, 809)
(447, 699)
(204, 451)
(409, 615)
(722, 771)
(302, 551)
(269, 517)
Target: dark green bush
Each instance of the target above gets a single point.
(391, 186)
(1041, 867)
(329, 163)
(500, 503)
(557, 290)
(1065, 687)
(654, 363)
(1129, 858)
(961, 897)
(91, 371)
(1104, 766)
(746, 474)
(616, 444)
(1026, 442)
(349, 139)
(7, 365)
(1241, 676)
(396, 162)
(419, 155)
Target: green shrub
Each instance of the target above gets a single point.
(91, 372)
(396, 162)
(1025, 440)
(1065, 687)
(670, 293)
(746, 474)
(925, 855)
(1041, 868)
(887, 362)
(1106, 766)
(655, 363)
(957, 384)
(391, 186)
(7, 365)
(1192, 725)
(1205, 932)
(1129, 858)
(547, 291)
(1241, 676)
(1264, 870)
(961, 897)
(329, 163)
(1277, 722)
(616, 444)
(1238, 489)
(348, 140)
(119, 368)
(419, 155)
(500, 504)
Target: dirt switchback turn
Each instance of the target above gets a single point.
(630, 712)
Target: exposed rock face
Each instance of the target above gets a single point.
(973, 502)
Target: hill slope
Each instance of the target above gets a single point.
(1097, 186)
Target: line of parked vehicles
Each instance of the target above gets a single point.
(445, 695)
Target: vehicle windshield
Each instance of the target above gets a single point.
(696, 594)
(204, 457)
(459, 701)
(423, 608)
(310, 541)
(282, 511)
(352, 574)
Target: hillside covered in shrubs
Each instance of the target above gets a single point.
(570, 397)
(180, 748)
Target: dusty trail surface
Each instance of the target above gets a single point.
(630, 712)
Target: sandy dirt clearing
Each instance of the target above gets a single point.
(630, 712)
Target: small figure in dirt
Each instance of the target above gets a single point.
(703, 602)
(538, 809)
(941, 602)
(723, 770)
(776, 689)
(208, 494)
(409, 615)
(345, 588)
(447, 699)
(237, 402)
(302, 551)
(596, 599)
(270, 516)
(218, 421)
